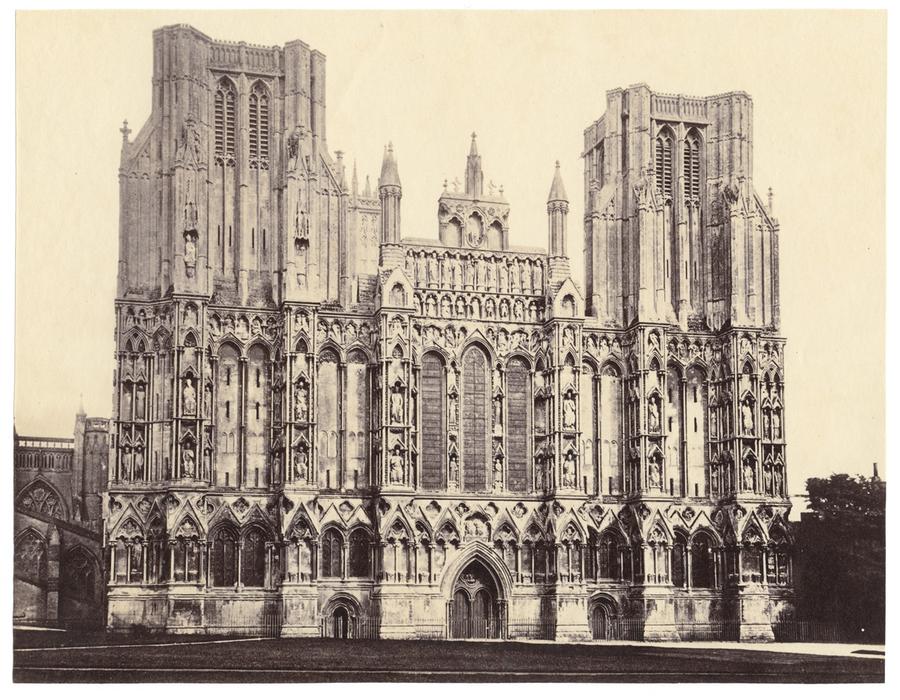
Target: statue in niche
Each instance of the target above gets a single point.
(411, 266)
(139, 465)
(455, 272)
(396, 328)
(301, 403)
(502, 276)
(767, 479)
(453, 414)
(497, 378)
(454, 469)
(537, 277)
(430, 306)
(207, 401)
(776, 425)
(445, 307)
(396, 406)
(396, 467)
(519, 310)
(747, 417)
(434, 275)
(568, 471)
(187, 462)
(569, 336)
(190, 254)
(189, 397)
(243, 330)
(460, 307)
(190, 216)
(450, 337)
(503, 342)
(778, 480)
(256, 327)
(300, 465)
(514, 276)
(504, 309)
(767, 425)
(532, 312)
(421, 274)
(498, 471)
(653, 414)
(655, 473)
(524, 275)
(569, 412)
(490, 308)
(446, 276)
(714, 480)
(476, 308)
(748, 475)
(498, 415)
(470, 274)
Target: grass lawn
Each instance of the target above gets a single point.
(317, 660)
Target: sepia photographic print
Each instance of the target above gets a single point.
(449, 346)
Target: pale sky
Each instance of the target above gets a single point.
(528, 83)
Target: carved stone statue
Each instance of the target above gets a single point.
(434, 275)
(714, 479)
(653, 414)
(569, 412)
(498, 471)
(767, 476)
(396, 466)
(187, 462)
(453, 416)
(454, 469)
(778, 481)
(776, 426)
(748, 476)
(747, 417)
(301, 403)
(189, 398)
(190, 254)
(190, 216)
(568, 471)
(396, 407)
(207, 401)
(655, 473)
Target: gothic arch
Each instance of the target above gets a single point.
(42, 497)
(484, 554)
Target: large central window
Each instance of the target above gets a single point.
(475, 420)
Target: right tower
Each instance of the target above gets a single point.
(681, 258)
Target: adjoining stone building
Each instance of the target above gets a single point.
(58, 565)
(323, 426)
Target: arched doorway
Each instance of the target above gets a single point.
(340, 623)
(604, 621)
(475, 605)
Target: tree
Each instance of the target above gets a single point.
(842, 555)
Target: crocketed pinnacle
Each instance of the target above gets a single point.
(557, 189)
(389, 175)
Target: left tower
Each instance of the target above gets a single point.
(231, 212)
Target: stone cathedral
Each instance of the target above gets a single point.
(325, 426)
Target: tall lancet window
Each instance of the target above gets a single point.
(225, 121)
(259, 127)
(692, 167)
(664, 158)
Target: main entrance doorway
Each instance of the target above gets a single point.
(475, 607)
(340, 623)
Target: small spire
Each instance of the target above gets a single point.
(354, 181)
(125, 131)
(771, 202)
(389, 174)
(368, 191)
(473, 149)
(874, 464)
(81, 404)
(557, 189)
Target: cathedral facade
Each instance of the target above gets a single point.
(322, 426)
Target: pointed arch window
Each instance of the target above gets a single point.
(692, 168)
(259, 127)
(224, 122)
(663, 166)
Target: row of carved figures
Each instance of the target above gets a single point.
(482, 272)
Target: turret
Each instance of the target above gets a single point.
(474, 176)
(390, 192)
(557, 211)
